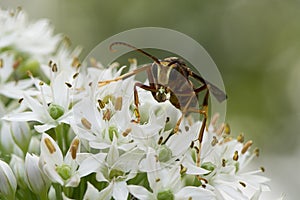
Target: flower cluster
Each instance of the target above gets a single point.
(64, 137)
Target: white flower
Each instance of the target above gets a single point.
(8, 182)
(8, 88)
(165, 183)
(58, 169)
(53, 107)
(116, 170)
(36, 38)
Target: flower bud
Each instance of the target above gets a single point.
(17, 165)
(8, 181)
(56, 111)
(37, 181)
(21, 134)
(165, 195)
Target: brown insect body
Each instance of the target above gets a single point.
(169, 79)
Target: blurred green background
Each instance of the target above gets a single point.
(255, 44)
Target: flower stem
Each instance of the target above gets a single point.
(59, 131)
(58, 191)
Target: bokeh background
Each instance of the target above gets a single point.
(255, 44)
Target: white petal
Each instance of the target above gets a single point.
(120, 191)
(51, 155)
(91, 164)
(195, 193)
(140, 192)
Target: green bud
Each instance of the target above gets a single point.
(64, 171)
(165, 195)
(55, 111)
(114, 173)
(29, 65)
(165, 154)
(112, 131)
(208, 166)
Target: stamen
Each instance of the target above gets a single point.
(86, 123)
(262, 169)
(240, 138)
(126, 132)
(50, 63)
(76, 62)
(118, 103)
(157, 180)
(1, 63)
(75, 75)
(74, 148)
(167, 119)
(227, 129)
(41, 83)
(242, 183)
(29, 74)
(49, 145)
(54, 67)
(223, 162)
(214, 141)
(20, 100)
(160, 140)
(182, 169)
(69, 85)
(256, 152)
(246, 146)
(101, 103)
(187, 128)
(192, 144)
(107, 115)
(235, 156)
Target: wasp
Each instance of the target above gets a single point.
(170, 79)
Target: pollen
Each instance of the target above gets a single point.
(214, 141)
(107, 115)
(256, 152)
(76, 62)
(126, 132)
(118, 103)
(86, 123)
(54, 67)
(69, 85)
(227, 129)
(49, 145)
(74, 148)
(101, 103)
(246, 146)
(1, 63)
(243, 184)
(75, 75)
(235, 156)
(223, 162)
(20, 100)
(240, 138)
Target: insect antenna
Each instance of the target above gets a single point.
(136, 49)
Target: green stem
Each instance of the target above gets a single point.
(58, 191)
(59, 131)
(43, 196)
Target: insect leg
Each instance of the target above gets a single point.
(136, 99)
(203, 111)
(124, 76)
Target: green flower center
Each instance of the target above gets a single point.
(208, 166)
(64, 171)
(112, 131)
(56, 111)
(164, 154)
(165, 195)
(115, 173)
